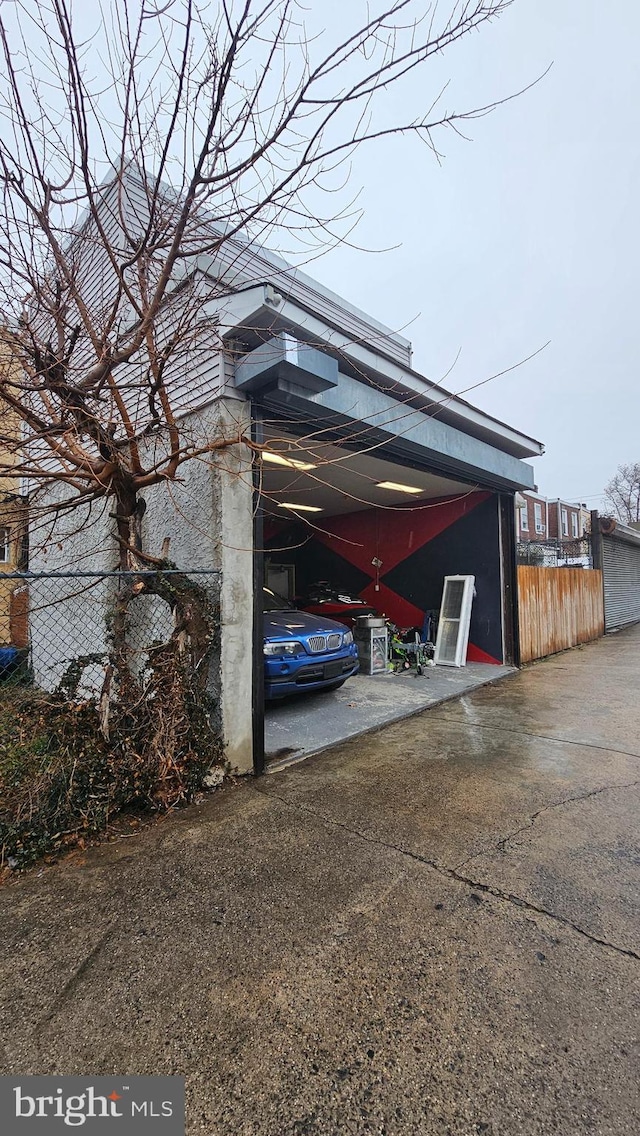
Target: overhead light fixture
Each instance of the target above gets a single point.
(398, 487)
(291, 463)
(299, 508)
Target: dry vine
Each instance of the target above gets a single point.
(136, 157)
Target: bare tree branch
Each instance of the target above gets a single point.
(622, 493)
(132, 154)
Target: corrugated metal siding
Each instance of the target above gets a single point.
(196, 374)
(192, 377)
(191, 382)
(558, 608)
(243, 265)
(621, 566)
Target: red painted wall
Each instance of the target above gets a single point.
(418, 546)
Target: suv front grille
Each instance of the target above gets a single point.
(325, 642)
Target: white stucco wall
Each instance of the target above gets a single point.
(67, 615)
(207, 516)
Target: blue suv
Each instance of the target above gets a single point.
(304, 652)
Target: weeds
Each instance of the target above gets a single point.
(126, 727)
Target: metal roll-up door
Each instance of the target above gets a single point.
(621, 570)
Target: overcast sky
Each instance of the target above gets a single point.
(530, 232)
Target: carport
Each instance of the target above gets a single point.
(387, 533)
(380, 482)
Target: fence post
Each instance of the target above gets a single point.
(596, 540)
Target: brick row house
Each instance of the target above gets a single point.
(542, 518)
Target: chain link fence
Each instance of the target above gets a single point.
(51, 622)
(556, 553)
(108, 700)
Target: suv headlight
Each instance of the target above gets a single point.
(347, 638)
(282, 649)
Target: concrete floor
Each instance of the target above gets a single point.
(432, 930)
(298, 726)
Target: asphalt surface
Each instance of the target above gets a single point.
(433, 929)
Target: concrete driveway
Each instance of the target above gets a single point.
(430, 930)
(296, 727)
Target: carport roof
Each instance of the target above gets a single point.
(334, 480)
(374, 347)
(366, 353)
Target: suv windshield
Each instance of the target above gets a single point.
(273, 602)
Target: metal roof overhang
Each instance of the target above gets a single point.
(259, 311)
(299, 387)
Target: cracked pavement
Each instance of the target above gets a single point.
(433, 929)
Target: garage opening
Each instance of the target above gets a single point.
(348, 533)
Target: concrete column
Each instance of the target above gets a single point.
(208, 515)
(233, 492)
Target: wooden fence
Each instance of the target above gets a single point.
(559, 608)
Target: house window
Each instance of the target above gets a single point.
(524, 519)
(537, 512)
(5, 546)
(565, 522)
(574, 525)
